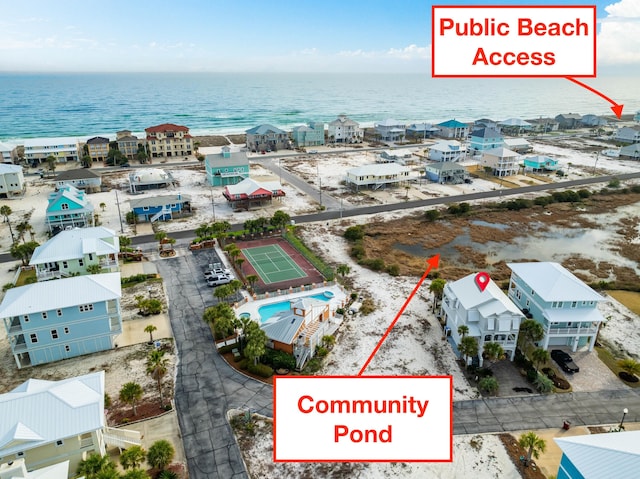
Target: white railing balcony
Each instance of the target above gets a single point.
(108, 263)
(573, 331)
(44, 275)
(122, 438)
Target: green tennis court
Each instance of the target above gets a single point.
(272, 264)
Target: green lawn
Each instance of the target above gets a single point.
(24, 277)
(630, 299)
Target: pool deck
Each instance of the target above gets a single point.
(339, 297)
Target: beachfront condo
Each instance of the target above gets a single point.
(128, 143)
(37, 150)
(11, 181)
(98, 148)
(345, 130)
(169, 140)
(267, 138)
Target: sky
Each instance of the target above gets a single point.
(257, 35)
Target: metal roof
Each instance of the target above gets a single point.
(75, 243)
(60, 293)
(552, 282)
(161, 200)
(490, 302)
(603, 455)
(264, 130)
(249, 186)
(9, 168)
(378, 169)
(40, 412)
(77, 174)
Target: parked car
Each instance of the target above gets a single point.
(217, 280)
(218, 272)
(565, 361)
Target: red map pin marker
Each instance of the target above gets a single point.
(482, 280)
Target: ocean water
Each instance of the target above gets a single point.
(47, 105)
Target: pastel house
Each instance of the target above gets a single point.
(11, 181)
(8, 153)
(17, 469)
(162, 207)
(53, 320)
(81, 178)
(628, 134)
(169, 140)
(267, 138)
(449, 150)
(68, 208)
(98, 148)
(565, 306)
(63, 149)
(453, 129)
(71, 252)
(45, 423)
(308, 135)
(391, 130)
(489, 315)
(249, 193)
(599, 455)
(630, 152)
(377, 176)
(485, 139)
(540, 163)
(502, 161)
(149, 179)
(345, 130)
(446, 172)
(227, 167)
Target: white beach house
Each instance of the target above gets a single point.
(377, 176)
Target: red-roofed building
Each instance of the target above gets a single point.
(169, 140)
(249, 192)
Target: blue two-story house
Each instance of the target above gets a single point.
(162, 207)
(485, 139)
(68, 208)
(565, 306)
(227, 167)
(55, 320)
(308, 135)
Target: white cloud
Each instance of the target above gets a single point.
(411, 52)
(619, 38)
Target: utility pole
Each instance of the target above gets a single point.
(319, 182)
(119, 214)
(213, 204)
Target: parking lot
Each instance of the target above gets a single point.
(204, 258)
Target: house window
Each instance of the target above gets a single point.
(85, 307)
(574, 304)
(33, 337)
(533, 293)
(65, 264)
(64, 206)
(44, 315)
(145, 208)
(59, 312)
(518, 294)
(67, 348)
(80, 262)
(26, 318)
(173, 205)
(59, 442)
(90, 256)
(20, 454)
(66, 330)
(487, 338)
(54, 334)
(528, 302)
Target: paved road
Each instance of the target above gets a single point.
(545, 411)
(332, 214)
(206, 387)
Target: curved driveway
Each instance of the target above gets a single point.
(206, 386)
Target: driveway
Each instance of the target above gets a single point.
(206, 386)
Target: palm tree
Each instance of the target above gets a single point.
(150, 328)
(531, 331)
(222, 318)
(94, 269)
(103, 206)
(131, 393)
(533, 444)
(468, 347)
(252, 279)
(437, 288)
(157, 366)
(22, 228)
(136, 474)
(132, 457)
(51, 163)
(94, 465)
(492, 352)
(629, 366)
(540, 356)
(256, 340)
(160, 237)
(463, 330)
(489, 384)
(239, 262)
(5, 211)
(160, 454)
(343, 270)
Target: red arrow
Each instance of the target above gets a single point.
(433, 263)
(617, 109)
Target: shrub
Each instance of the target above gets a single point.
(368, 306)
(354, 296)
(543, 383)
(543, 200)
(635, 189)
(8, 286)
(532, 375)
(321, 351)
(519, 204)
(393, 270)
(358, 251)
(354, 233)
(376, 264)
(550, 373)
(243, 364)
(431, 215)
(227, 349)
(261, 370)
(279, 359)
(313, 366)
(584, 193)
(168, 475)
(614, 183)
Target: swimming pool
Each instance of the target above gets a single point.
(269, 310)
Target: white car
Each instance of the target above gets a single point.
(218, 280)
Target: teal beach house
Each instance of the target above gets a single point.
(227, 167)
